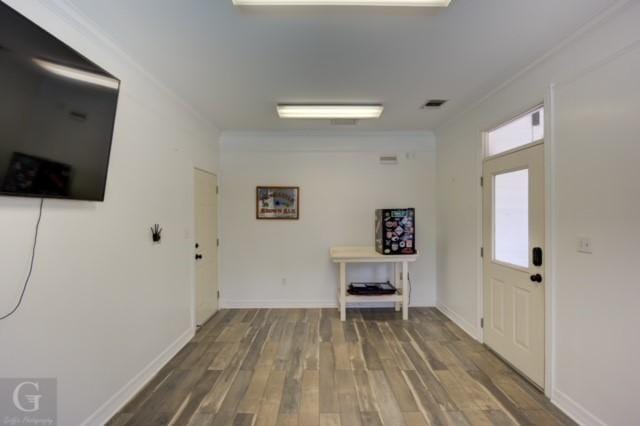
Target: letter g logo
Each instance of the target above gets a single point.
(33, 400)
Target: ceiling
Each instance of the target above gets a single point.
(234, 64)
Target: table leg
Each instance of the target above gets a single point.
(405, 290)
(396, 282)
(343, 291)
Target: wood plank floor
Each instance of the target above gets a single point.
(305, 367)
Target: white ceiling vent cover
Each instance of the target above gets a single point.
(344, 122)
(389, 160)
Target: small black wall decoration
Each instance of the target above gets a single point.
(156, 233)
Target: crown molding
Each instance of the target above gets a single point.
(597, 20)
(323, 141)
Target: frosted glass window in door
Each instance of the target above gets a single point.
(511, 218)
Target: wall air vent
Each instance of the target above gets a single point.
(434, 103)
(389, 160)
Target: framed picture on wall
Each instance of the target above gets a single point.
(278, 202)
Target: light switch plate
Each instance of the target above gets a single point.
(584, 245)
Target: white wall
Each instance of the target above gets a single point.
(104, 302)
(341, 184)
(593, 150)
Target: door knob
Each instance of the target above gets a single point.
(198, 256)
(537, 278)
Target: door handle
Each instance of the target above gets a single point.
(198, 256)
(537, 278)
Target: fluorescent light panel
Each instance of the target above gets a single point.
(78, 75)
(411, 3)
(330, 112)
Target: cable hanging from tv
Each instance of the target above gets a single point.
(31, 263)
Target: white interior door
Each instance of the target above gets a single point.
(206, 257)
(514, 231)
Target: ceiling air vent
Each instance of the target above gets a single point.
(389, 160)
(434, 103)
(344, 122)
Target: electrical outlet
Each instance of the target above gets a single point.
(584, 245)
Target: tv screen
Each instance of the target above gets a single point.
(57, 112)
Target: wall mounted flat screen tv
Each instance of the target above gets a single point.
(57, 112)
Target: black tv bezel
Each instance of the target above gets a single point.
(101, 198)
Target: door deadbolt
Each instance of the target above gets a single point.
(537, 256)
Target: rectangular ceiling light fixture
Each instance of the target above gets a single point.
(330, 112)
(391, 3)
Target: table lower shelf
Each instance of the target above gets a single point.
(374, 298)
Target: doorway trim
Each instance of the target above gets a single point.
(192, 239)
(550, 278)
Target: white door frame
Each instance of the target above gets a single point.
(549, 156)
(194, 278)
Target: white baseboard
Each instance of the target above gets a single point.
(574, 410)
(296, 304)
(128, 391)
(567, 405)
(277, 304)
(469, 328)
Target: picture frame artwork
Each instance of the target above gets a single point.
(277, 203)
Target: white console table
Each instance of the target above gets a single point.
(346, 255)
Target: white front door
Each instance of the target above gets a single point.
(206, 250)
(514, 231)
